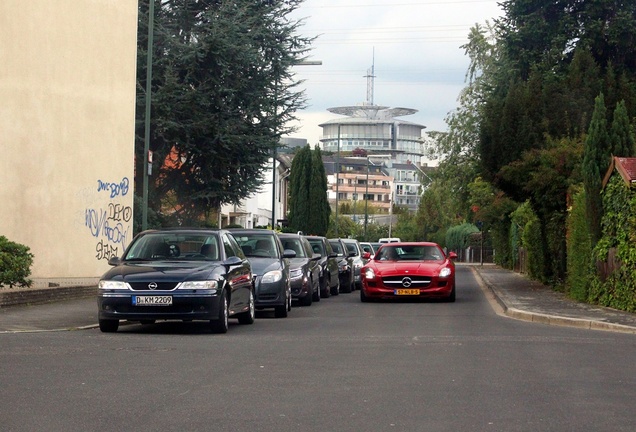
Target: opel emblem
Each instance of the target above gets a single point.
(406, 282)
(152, 285)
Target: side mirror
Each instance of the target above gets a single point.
(316, 257)
(289, 253)
(232, 261)
(366, 255)
(333, 255)
(452, 255)
(114, 261)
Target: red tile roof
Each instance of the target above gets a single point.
(626, 167)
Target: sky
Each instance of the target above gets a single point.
(412, 45)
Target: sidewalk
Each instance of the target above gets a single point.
(525, 299)
(518, 297)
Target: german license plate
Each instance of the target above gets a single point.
(152, 300)
(406, 292)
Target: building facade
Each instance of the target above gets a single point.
(68, 88)
(394, 143)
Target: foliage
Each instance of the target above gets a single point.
(621, 134)
(346, 227)
(15, 263)
(579, 249)
(596, 159)
(319, 208)
(309, 208)
(407, 228)
(458, 236)
(619, 232)
(299, 182)
(222, 95)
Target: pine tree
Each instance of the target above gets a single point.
(622, 137)
(299, 199)
(319, 209)
(596, 159)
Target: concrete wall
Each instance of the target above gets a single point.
(67, 111)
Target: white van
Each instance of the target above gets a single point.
(389, 240)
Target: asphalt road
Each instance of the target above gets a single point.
(339, 365)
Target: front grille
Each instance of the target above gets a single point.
(416, 281)
(161, 286)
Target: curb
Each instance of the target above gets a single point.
(546, 319)
(27, 296)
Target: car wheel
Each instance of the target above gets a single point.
(336, 290)
(451, 297)
(363, 297)
(108, 326)
(325, 288)
(346, 288)
(280, 311)
(307, 300)
(221, 325)
(316, 295)
(249, 316)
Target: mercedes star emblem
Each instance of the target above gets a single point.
(406, 282)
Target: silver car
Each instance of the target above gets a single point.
(355, 251)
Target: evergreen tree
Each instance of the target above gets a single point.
(222, 95)
(299, 198)
(319, 209)
(596, 159)
(622, 137)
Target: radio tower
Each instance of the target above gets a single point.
(370, 81)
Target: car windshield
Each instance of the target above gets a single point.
(174, 246)
(295, 245)
(351, 247)
(337, 248)
(317, 246)
(410, 253)
(257, 245)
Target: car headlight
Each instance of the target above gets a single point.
(271, 277)
(369, 274)
(445, 272)
(199, 285)
(109, 285)
(296, 273)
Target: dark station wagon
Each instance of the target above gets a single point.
(178, 274)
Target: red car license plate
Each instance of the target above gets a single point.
(406, 292)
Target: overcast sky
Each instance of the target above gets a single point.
(418, 60)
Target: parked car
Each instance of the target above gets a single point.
(328, 262)
(271, 267)
(345, 265)
(304, 270)
(371, 247)
(178, 274)
(409, 270)
(389, 240)
(366, 247)
(355, 252)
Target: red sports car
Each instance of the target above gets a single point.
(409, 270)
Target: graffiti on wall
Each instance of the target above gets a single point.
(110, 224)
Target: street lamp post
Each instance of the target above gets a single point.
(366, 203)
(337, 178)
(146, 156)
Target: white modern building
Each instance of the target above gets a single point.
(376, 131)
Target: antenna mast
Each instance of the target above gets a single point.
(370, 80)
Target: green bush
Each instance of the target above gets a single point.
(15, 263)
(618, 290)
(579, 248)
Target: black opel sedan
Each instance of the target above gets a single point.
(178, 274)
